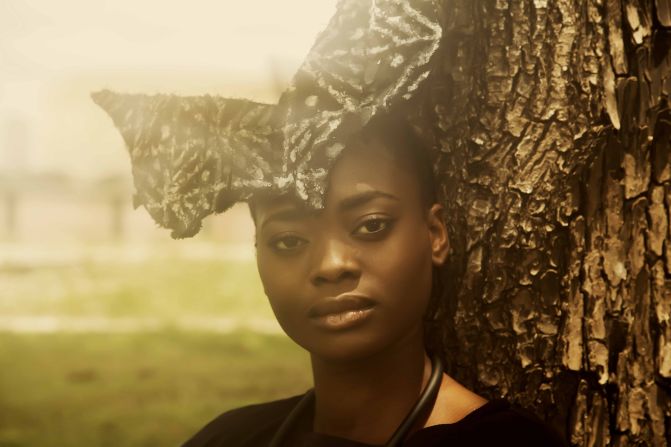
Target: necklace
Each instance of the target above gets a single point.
(427, 397)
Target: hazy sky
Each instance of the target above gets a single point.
(54, 53)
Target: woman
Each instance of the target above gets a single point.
(352, 284)
(348, 231)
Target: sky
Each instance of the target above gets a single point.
(53, 54)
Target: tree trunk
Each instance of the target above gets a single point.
(555, 131)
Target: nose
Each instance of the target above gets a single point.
(334, 261)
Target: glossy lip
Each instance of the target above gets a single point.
(341, 312)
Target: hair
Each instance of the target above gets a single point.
(399, 138)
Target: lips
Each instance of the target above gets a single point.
(342, 312)
(340, 305)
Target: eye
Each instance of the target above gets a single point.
(373, 226)
(287, 243)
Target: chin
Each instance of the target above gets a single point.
(346, 351)
(346, 346)
(368, 338)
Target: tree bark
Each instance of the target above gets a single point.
(555, 129)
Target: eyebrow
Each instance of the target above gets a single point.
(288, 214)
(292, 214)
(362, 198)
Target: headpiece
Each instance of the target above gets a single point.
(194, 156)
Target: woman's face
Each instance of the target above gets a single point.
(353, 279)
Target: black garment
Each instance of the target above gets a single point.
(496, 423)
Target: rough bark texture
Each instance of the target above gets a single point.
(556, 139)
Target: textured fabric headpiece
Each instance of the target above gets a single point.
(194, 156)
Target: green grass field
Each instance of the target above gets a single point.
(148, 389)
(151, 388)
(161, 288)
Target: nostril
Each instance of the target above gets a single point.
(344, 275)
(333, 261)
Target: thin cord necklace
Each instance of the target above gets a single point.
(427, 397)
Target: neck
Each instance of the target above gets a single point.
(365, 400)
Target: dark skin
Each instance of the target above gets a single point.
(375, 244)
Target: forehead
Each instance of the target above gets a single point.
(361, 168)
(370, 166)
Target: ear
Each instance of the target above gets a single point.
(440, 242)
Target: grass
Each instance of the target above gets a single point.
(144, 389)
(136, 389)
(160, 288)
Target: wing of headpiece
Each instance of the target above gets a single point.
(193, 156)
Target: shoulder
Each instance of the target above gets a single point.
(495, 423)
(499, 421)
(244, 426)
(520, 425)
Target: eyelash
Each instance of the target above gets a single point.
(386, 226)
(386, 222)
(273, 243)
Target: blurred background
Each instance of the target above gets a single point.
(111, 333)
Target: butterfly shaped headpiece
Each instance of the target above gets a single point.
(194, 156)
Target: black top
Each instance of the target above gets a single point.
(496, 423)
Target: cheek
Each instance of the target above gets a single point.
(275, 277)
(282, 285)
(272, 279)
(403, 269)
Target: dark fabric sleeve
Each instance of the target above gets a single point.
(250, 426)
(496, 424)
(526, 429)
